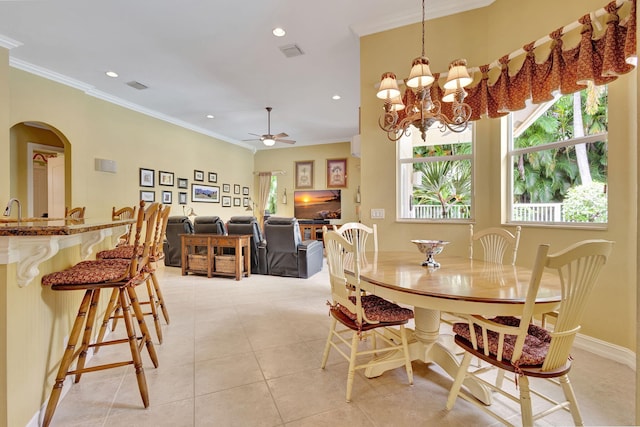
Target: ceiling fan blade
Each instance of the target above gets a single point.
(286, 141)
(252, 139)
(281, 135)
(255, 134)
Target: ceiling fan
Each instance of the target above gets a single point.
(268, 139)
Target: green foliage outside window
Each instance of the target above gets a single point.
(546, 176)
(445, 183)
(572, 173)
(586, 203)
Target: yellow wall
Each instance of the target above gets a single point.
(483, 36)
(97, 129)
(284, 159)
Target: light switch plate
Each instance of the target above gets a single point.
(377, 213)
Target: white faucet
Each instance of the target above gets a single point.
(7, 210)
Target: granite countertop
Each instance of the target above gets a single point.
(55, 226)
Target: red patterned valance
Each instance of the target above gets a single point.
(599, 60)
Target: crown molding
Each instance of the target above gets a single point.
(92, 91)
(9, 43)
(441, 9)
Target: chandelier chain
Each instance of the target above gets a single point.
(423, 32)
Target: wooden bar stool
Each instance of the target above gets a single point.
(124, 213)
(156, 298)
(93, 276)
(74, 213)
(124, 239)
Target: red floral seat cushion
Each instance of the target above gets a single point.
(87, 272)
(126, 252)
(123, 252)
(536, 344)
(379, 309)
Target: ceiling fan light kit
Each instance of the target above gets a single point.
(268, 139)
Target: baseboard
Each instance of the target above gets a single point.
(607, 350)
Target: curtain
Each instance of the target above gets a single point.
(263, 195)
(598, 59)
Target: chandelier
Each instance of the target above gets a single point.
(417, 107)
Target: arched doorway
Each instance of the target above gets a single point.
(39, 169)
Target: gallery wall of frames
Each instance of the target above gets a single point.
(204, 188)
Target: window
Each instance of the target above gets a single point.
(559, 160)
(272, 201)
(435, 176)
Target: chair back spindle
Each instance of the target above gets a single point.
(122, 214)
(495, 242)
(359, 233)
(74, 213)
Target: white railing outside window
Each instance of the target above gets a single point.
(537, 212)
(435, 212)
(528, 212)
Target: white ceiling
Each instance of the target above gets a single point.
(215, 57)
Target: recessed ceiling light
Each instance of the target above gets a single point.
(279, 32)
(111, 74)
(210, 116)
(335, 97)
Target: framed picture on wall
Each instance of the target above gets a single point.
(167, 197)
(205, 193)
(148, 195)
(213, 177)
(236, 201)
(198, 175)
(245, 191)
(183, 183)
(236, 188)
(182, 198)
(226, 188)
(226, 201)
(245, 201)
(304, 174)
(147, 177)
(165, 178)
(336, 173)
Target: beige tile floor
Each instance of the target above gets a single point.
(247, 353)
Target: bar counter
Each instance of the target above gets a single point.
(35, 240)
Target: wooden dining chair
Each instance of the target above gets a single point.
(92, 276)
(495, 243)
(74, 213)
(359, 315)
(515, 344)
(358, 232)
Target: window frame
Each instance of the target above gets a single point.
(401, 161)
(511, 152)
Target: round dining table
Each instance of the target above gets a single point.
(460, 285)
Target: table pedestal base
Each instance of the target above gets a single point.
(428, 345)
